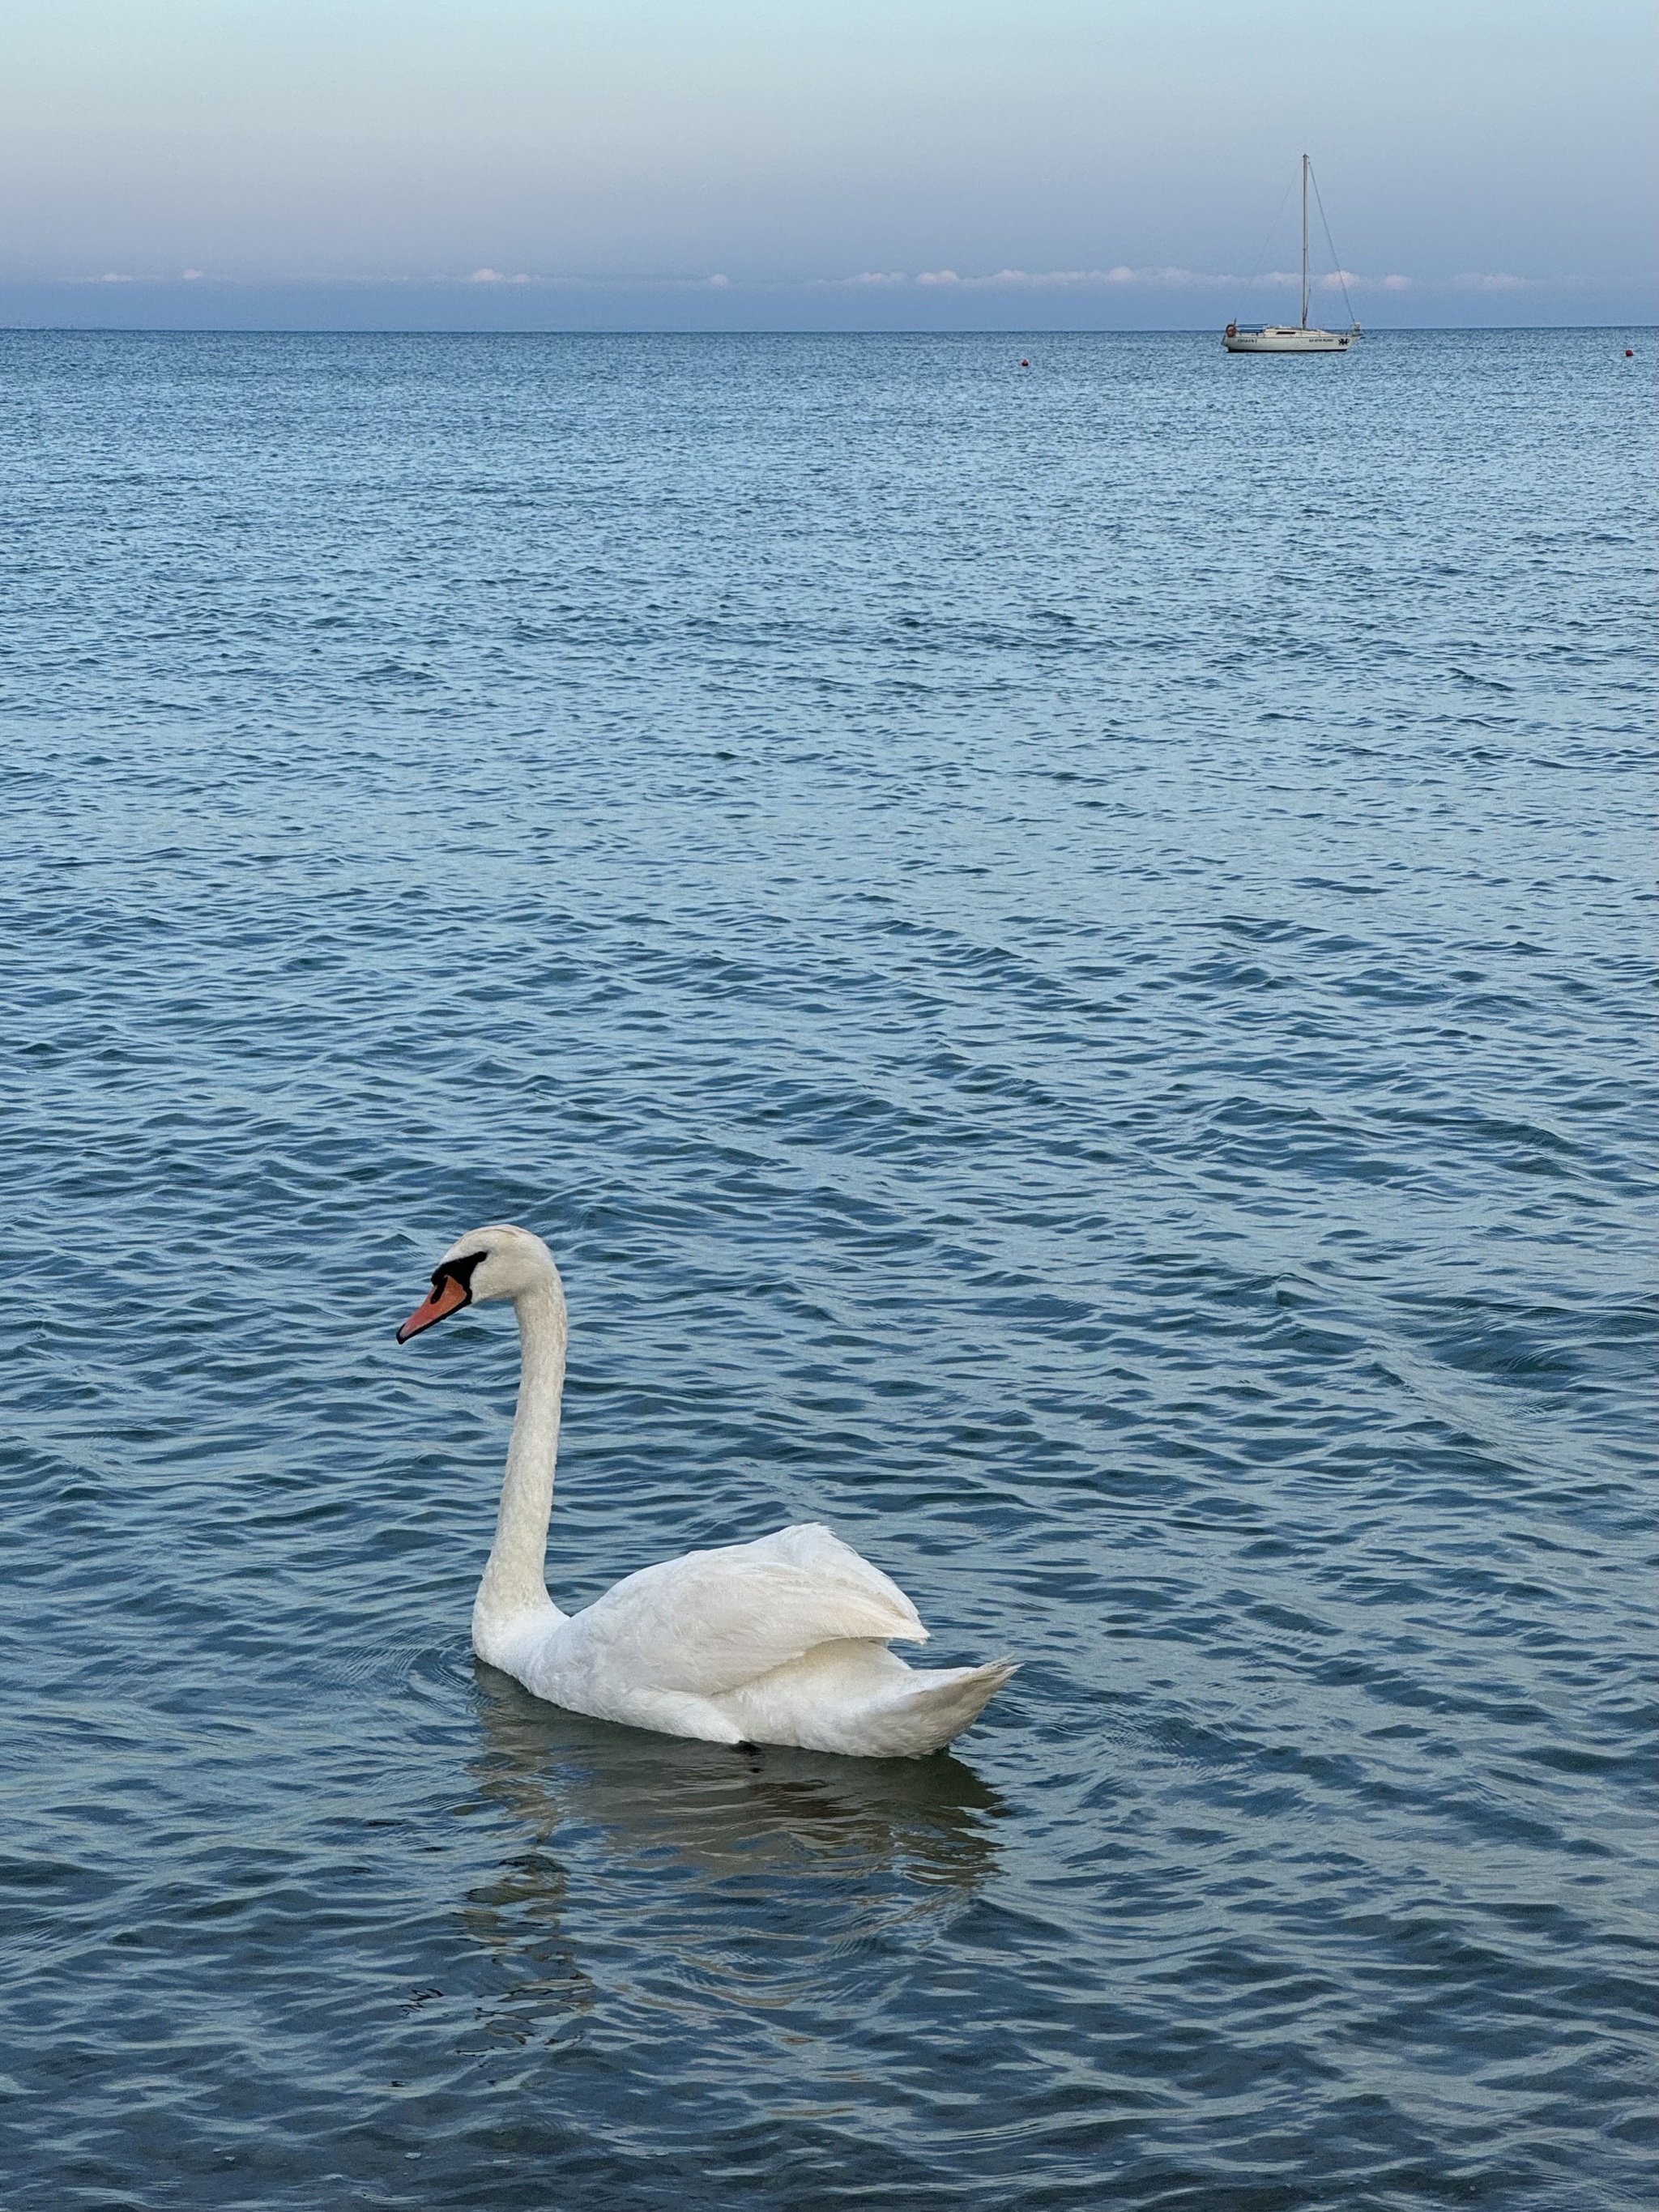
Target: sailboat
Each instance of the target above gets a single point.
(1294, 337)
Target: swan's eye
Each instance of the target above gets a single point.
(457, 1270)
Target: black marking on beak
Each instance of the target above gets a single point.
(460, 1270)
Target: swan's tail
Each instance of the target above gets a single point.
(932, 1710)
(854, 1695)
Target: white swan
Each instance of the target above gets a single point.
(780, 1641)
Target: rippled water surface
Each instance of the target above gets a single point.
(1062, 955)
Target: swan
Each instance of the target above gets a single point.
(784, 1640)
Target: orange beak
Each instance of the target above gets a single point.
(446, 1295)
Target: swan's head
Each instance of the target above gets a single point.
(497, 1263)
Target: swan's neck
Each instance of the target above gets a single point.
(514, 1581)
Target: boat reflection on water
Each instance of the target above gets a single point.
(696, 1874)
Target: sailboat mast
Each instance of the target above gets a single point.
(1304, 242)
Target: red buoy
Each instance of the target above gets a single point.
(1630, 353)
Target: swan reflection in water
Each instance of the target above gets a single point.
(689, 1876)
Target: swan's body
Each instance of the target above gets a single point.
(783, 1641)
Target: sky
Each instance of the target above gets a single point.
(820, 164)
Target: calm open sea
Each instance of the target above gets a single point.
(1062, 955)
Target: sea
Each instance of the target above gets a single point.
(1057, 932)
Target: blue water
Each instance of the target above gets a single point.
(1063, 956)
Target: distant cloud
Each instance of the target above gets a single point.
(1179, 280)
(1218, 287)
(1047, 279)
(714, 283)
(1034, 279)
(1167, 279)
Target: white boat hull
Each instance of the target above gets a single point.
(1288, 339)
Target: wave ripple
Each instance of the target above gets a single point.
(1061, 957)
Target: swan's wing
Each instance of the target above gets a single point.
(711, 1621)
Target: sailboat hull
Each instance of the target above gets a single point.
(1288, 339)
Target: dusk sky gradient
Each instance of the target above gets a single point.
(793, 164)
